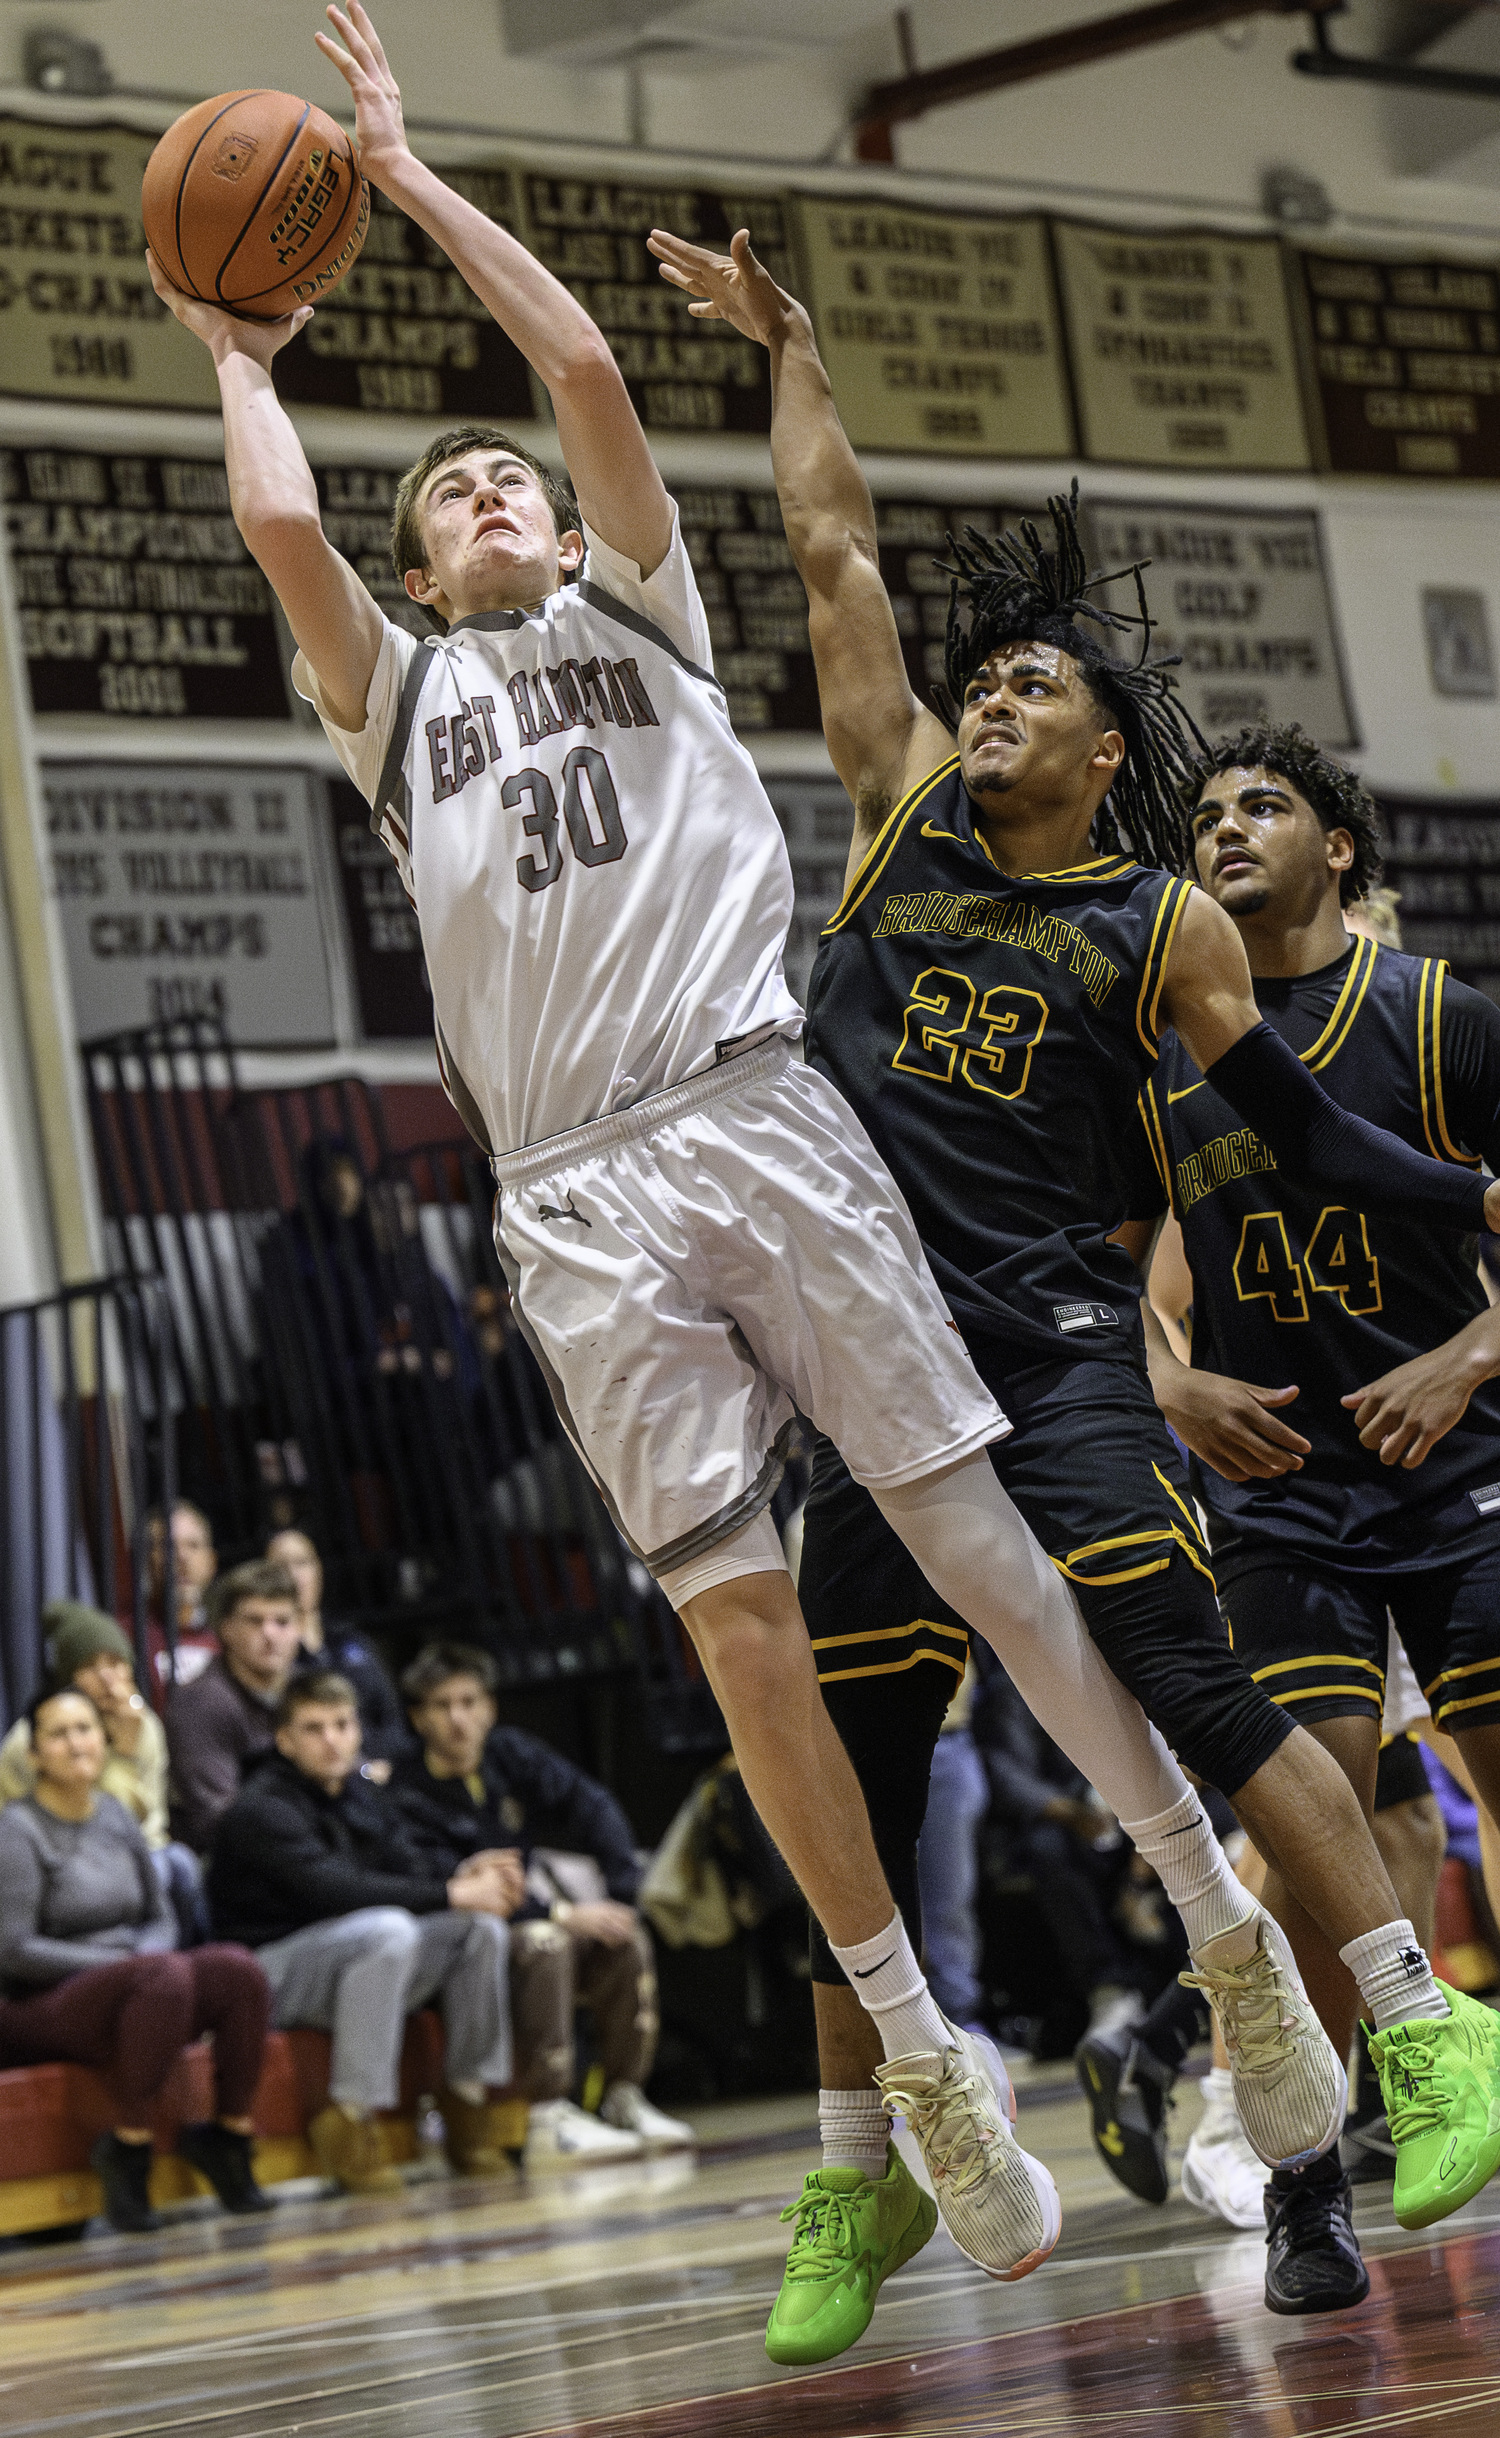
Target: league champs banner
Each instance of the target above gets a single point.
(940, 330)
(1406, 357)
(79, 317)
(190, 892)
(1183, 348)
(1242, 595)
(1442, 856)
(136, 594)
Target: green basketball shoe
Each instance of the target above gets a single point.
(853, 2232)
(1441, 2084)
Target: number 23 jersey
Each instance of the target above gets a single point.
(601, 881)
(993, 1034)
(1290, 1289)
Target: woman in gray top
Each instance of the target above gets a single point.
(89, 1974)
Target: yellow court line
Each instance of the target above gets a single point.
(890, 830)
(893, 1633)
(894, 1667)
(1334, 1047)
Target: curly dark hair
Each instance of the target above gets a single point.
(1013, 588)
(1334, 793)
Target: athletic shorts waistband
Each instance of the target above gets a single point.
(644, 1117)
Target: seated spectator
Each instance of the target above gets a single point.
(328, 1643)
(313, 1868)
(223, 1723)
(194, 1565)
(89, 1977)
(85, 1648)
(480, 1790)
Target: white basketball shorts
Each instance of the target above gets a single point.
(688, 1271)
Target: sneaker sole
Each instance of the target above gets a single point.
(1201, 2195)
(918, 2235)
(1048, 2199)
(1101, 2074)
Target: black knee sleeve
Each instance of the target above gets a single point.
(890, 1727)
(1164, 1638)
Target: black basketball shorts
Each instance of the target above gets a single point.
(1315, 1638)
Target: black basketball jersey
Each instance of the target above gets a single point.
(993, 1035)
(1291, 1289)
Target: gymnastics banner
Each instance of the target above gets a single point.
(1182, 347)
(1407, 363)
(940, 330)
(1242, 594)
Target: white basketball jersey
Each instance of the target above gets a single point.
(601, 882)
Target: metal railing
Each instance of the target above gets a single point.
(89, 1417)
(344, 1345)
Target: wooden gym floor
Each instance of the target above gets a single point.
(630, 2303)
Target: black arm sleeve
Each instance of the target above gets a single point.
(1320, 1144)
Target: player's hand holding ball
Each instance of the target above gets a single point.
(223, 332)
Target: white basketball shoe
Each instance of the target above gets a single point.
(999, 2205)
(1289, 2086)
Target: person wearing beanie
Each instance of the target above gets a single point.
(84, 1649)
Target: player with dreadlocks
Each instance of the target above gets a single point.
(1015, 936)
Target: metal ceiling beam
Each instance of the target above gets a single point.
(961, 80)
(1412, 75)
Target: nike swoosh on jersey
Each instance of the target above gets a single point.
(1174, 1097)
(928, 831)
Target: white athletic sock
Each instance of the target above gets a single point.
(1218, 2089)
(1194, 1869)
(1394, 1976)
(980, 1557)
(855, 2129)
(887, 1980)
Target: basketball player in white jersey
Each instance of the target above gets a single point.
(697, 1231)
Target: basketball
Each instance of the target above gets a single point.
(254, 201)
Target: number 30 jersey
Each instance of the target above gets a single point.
(1290, 1290)
(993, 1034)
(601, 882)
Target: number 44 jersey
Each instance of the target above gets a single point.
(1290, 1290)
(994, 1033)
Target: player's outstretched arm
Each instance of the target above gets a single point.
(613, 472)
(1208, 998)
(275, 502)
(881, 738)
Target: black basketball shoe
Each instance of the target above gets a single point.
(1127, 2090)
(1365, 2146)
(1312, 2253)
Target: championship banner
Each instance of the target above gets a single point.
(136, 594)
(1182, 346)
(757, 609)
(1407, 364)
(404, 334)
(1442, 856)
(79, 317)
(190, 892)
(356, 504)
(817, 821)
(683, 375)
(1242, 594)
(940, 330)
(390, 971)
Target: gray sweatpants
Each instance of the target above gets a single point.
(361, 1975)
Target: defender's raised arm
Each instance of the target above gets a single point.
(881, 739)
(613, 472)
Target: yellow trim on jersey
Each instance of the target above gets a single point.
(1151, 1120)
(1173, 899)
(1103, 867)
(1336, 1031)
(893, 1633)
(1317, 1693)
(1430, 1061)
(1450, 1676)
(1181, 1506)
(893, 1667)
(1319, 1659)
(1131, 1540)
(868, 871)
(1474, 1701)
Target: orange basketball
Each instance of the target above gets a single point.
(254, 201)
